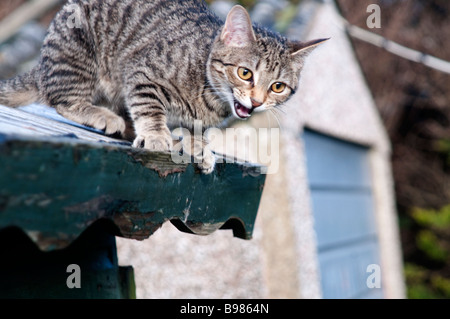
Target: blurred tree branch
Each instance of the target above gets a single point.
(28, 11)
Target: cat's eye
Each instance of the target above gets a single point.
(278, 87)
(245, 74)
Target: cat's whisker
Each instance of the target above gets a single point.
(273, 111)
(280, 109)
(268, 120)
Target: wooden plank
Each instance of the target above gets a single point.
(335, 163)
(342, 216)
(25, 122)
(29, 11)
(344, 271)
(343, 209)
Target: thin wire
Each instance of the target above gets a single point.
(395, 48)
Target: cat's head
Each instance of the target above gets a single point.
(252, 68)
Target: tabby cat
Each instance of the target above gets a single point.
(160, 64)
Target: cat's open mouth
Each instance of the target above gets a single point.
(242, 111)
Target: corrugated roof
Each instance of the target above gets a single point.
(57, 179)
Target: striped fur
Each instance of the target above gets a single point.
(160, 63)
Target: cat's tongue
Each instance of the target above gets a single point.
(241, 110)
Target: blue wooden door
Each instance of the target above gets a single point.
(343, 209)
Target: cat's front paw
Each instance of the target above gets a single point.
(207, 162)
(158, 141)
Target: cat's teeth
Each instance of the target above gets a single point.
(242, 111)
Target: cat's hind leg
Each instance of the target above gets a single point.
(97, 117)
(69, 87)
(79, 108)
(69, 76)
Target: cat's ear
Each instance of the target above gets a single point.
(238, 30)
(302, 49)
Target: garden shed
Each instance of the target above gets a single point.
(335, 181)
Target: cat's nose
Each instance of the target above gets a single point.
(255, 103)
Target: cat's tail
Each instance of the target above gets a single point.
(21, 90)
